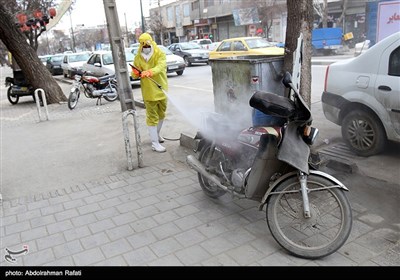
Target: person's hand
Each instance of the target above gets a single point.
(135, 72)
(147, 74)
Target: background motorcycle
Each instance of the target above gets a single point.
(18, 86)
(307, 211)
(93, 87)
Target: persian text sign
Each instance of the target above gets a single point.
(388, 19)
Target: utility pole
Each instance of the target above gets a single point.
(141, 13)
(72, 31)
(161, 26)
(122, 74)
(118, 53)
(126, 32)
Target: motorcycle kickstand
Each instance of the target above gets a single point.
(98, 101)
(304, 194)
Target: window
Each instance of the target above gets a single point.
(394, 63)
(186, 10)
(208, 3)
(195, 5)
(178, 16)
(92, 59)
(170, 14)
(224, 47)
(107, 59)
(238, 46)
(258, 43)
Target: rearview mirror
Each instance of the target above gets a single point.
(287, 79)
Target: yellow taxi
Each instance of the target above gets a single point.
(243, 46)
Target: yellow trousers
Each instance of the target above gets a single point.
(155, 111)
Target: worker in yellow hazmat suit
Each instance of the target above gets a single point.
(151, 62)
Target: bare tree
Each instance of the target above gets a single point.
(267, 11)
(157, 26)
(343, 14)
(321, 9)
(87, 38)
(299, 20)
(32, 17)
(25, 55)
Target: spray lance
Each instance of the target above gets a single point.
(151, 79)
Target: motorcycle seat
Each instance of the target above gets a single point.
(106, 78)
(273, 104)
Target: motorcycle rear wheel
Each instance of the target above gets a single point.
(73, 99)
(114, 89)
(209, 188)
(318, 236)
(13, 99)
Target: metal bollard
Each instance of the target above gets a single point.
(127, 139)
(44, 103)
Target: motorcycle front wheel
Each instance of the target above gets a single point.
(209, 188)
(73, 99)
(113, 97)
(13, 99)
(318, 236)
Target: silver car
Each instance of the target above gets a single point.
(362, 95)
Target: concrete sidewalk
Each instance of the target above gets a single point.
(69, 199)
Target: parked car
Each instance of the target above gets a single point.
(361, 47)
(101, 63)
(214, 45)
(72, 63)
(53, 64)
(190, 52)
(175, 63)
(44, 58)
(362, 95)
(243, 46)
(204, 43)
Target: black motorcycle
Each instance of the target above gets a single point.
(93, 87)
(18, 86)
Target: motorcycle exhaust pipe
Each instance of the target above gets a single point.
(198, 166)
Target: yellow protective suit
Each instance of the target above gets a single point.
(154, 98)
(157, 64)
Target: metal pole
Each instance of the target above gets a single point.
(118, 53)
(72, 31)
(122, 73)
(141, 13)
(126, 32)
(44, 100)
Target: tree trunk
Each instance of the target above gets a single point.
(343, 14)
(299, 20)
(325, 14)
(34, 70)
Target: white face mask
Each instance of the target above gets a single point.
(146, 50)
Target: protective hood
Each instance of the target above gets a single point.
(146, 39)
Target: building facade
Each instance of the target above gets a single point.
(185, 20)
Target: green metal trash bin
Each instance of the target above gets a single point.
(236, 79)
